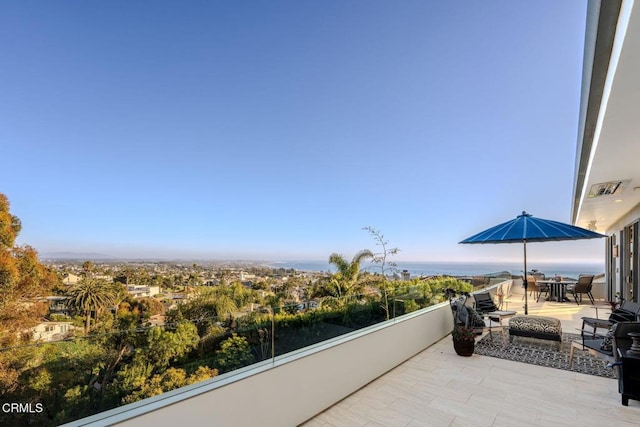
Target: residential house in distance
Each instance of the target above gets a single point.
(244, 276)
(308, 305)
(58, 305)
(50, 331)
(70, 279)
(157, 320)
(140, 291)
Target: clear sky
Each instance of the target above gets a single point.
(278, 129)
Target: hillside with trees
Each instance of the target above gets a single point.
(22, 279)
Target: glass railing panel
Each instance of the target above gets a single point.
(125, 358)
(297, 326)
(119, 362)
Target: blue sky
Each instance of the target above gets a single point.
(278, 129)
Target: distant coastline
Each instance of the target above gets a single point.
(416, 269)
(460, 268)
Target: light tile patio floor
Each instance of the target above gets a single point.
(438, 388)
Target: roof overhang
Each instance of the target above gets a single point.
(608, 148)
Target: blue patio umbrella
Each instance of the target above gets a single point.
(527, 228)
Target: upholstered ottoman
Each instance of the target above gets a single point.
(544, 328)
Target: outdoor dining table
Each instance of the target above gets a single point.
(558, 289)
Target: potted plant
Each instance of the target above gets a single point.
(617, 300)
(464, 340)
(463, 334)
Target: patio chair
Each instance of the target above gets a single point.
(484, 305)
(532, 287)
(627, 312)
(503, 293)
(535, 289)
(619, 339)
(543, 288)
(584, 286)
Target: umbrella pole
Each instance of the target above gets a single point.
(526, 305)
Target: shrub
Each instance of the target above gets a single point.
(234, 353)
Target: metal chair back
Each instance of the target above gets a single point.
(584, 285)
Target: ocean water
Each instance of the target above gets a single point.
(416, 269)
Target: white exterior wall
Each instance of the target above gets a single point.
(47, 331)
(143, 291)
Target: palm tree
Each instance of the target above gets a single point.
(91, 295)
(88, 267)
(346, 278)
(224, 307)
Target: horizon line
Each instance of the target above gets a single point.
(111, 258)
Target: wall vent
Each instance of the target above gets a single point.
(607, 188)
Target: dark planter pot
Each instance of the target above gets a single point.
(464, 348)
